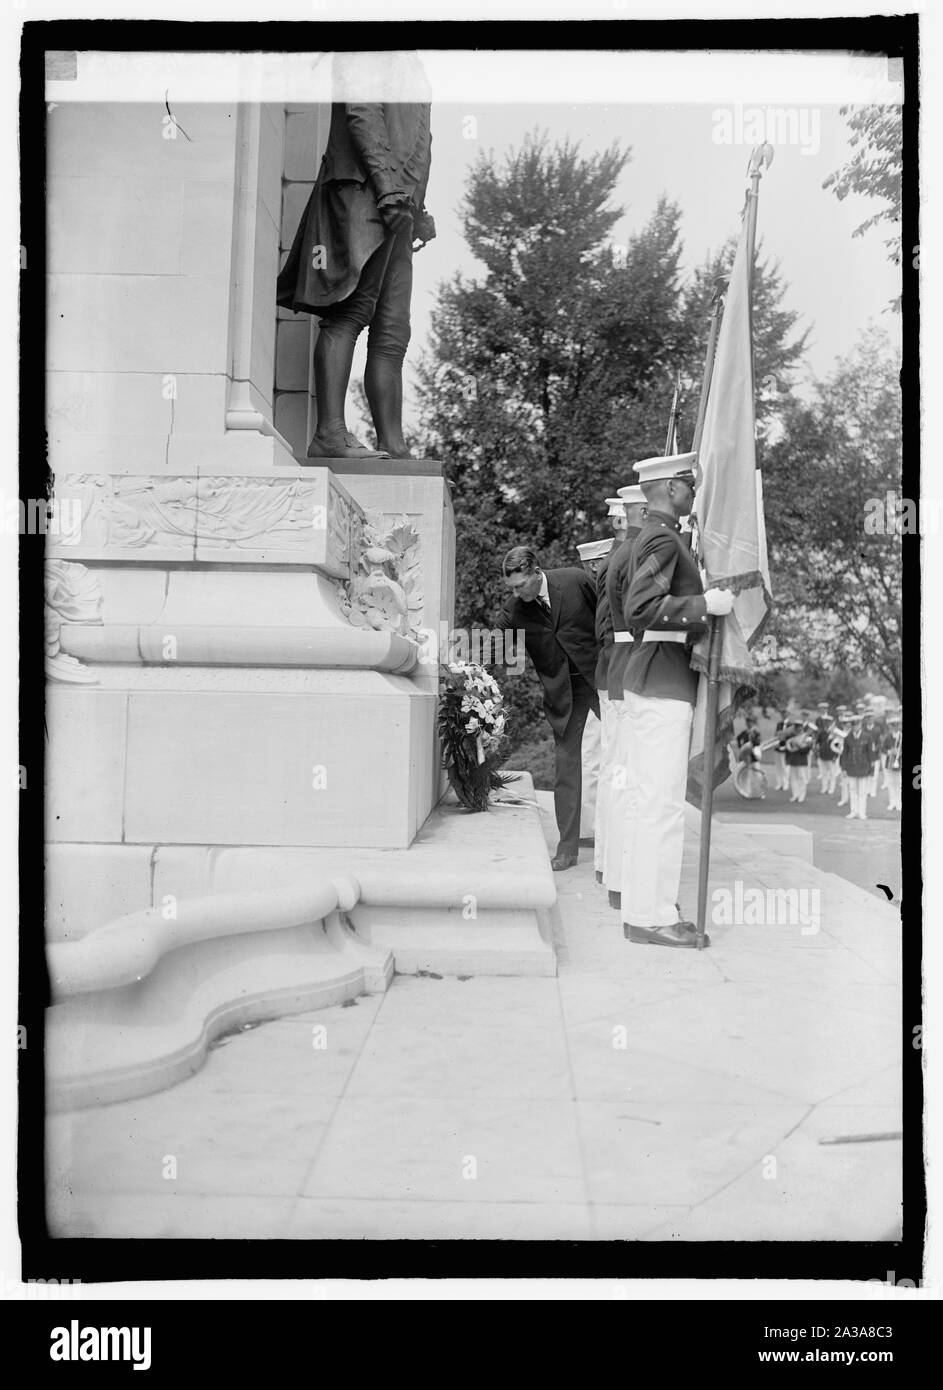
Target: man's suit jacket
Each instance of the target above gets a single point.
(563, 638)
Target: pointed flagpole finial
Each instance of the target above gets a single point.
(761, 157)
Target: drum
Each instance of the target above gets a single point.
(750, 781)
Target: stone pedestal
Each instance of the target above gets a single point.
(223, 683)
(241, 644)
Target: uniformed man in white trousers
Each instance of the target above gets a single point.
(665, 606)
(593, 556)
(632, 500)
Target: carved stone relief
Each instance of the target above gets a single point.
(73, 595)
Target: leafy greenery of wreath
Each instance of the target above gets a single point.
(471, 723)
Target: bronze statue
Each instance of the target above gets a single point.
(351, 259)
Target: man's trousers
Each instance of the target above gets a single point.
(568, 775)
(604, 785)
(656, 774)
(618, 788)
(798, 780)
(858, 788)
(591, 759)
(893, 789)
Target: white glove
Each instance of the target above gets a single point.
(719, 601)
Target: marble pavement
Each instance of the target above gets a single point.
(640, 1094)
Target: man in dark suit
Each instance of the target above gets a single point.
(556, 610)
(351, 259)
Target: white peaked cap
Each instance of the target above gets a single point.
(616, 506)
(665, 466)
(631, 496)
(595, 550)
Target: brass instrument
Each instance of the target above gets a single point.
(893, 758)
(799, 743)
(836, 739)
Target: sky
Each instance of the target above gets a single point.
(836, 282)
(689, 117)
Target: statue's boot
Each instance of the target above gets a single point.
(383, 384)
(333, 359)
(341, 444)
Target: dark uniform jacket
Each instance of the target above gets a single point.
(875, 735)
(373, 151)
(562, 642)
(857, 758)
(664, 594)
(823, 740)
(803, 740)
(616, 579)
(603, 628)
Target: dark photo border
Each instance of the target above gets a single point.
(106, 1261)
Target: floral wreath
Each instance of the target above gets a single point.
(471, 723)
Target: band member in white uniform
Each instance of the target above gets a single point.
(822, 723)
(857, 761)
(842, 727)
(779, 757)
(893, 762)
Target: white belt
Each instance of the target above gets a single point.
(664, 636)
(622, 637)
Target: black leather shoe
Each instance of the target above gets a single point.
(680, 935)
(559, 862)
(599, 875)
(615, 900)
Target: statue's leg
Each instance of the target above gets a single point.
(341, 326)
(386, 349)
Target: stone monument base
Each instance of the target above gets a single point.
(156, 950)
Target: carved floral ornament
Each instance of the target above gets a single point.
(385, 589)
(73, 595)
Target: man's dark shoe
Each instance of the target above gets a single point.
(615, 900)
(680, 935)
(599, 875)
(563, 860)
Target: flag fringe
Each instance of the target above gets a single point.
(748, 579)
(736, 675)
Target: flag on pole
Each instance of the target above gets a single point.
(729, 509)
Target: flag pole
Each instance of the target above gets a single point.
(673, 417)
(760, 155)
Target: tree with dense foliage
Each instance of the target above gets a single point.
(837, 576)
(874, 170)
